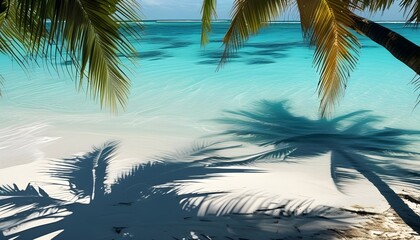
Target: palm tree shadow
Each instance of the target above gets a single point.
(145, 198)
(382, 156)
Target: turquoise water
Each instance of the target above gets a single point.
(176, 92)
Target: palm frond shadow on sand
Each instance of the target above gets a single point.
(356, 148)
(143, 203)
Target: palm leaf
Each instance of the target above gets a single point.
(372, 5)
(306, 13)
(3, 13)
(12, 42)
(412, 10)
(88, 31)
(208, 11)
(336, 50)
(411, 7)
(249, 16)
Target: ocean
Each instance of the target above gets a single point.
(177, 92)
(179, 105)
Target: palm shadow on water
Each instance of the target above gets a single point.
(144, 203)
(356, 148)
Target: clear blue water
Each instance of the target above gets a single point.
(176, 92)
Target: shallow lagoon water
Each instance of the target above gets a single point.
(176, 93)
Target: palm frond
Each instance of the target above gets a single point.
(336, 51)
(3, 6)
(249, 16)
(12, 42)
(411, 10)
(88, 31)
(372, 5)
(416, 83)
(3, 13)
(208, 12)
(306, 12)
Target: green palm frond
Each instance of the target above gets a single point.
(12, 42)
(4, 6)
(336, 50)
(208, 12)
(412, 10)
(87, 32)
(411, 7)
(249, 16)
(372, 5)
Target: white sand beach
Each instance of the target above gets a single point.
(294, 186)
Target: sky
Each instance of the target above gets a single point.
(190, 9)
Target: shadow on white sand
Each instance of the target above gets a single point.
(384, 157)
(150, 202)
(144, 204)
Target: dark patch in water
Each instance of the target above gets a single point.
(215, 55)
(276, 46)
(208, 62)
(157, 40)
(216, 41)
(148, 55)
(159, 58)
(370, 46)
(260, 61)
(266, 53)
(260, 52)
(177, 45)
(67, 63)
